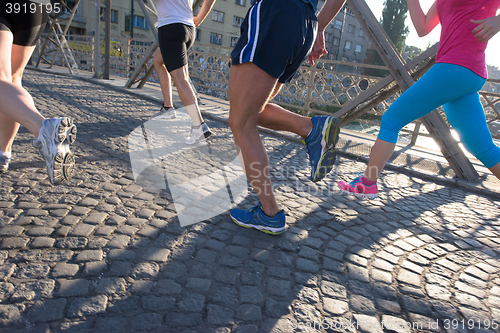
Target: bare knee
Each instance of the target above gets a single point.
(242, 127)
(158, 60)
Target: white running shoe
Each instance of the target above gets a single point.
(166, 113)
(198, 133)
(4, 163)
(55, 136)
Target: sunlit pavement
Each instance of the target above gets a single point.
(106, 252)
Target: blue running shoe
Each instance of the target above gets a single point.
(257, 219)
(321, 145)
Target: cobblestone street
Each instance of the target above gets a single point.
(105, 252)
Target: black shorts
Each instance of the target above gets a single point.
(25, 19)
(174, 40)
(277, 36)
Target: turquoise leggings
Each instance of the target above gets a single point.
(456, 89)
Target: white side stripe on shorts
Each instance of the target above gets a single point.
(253, 34)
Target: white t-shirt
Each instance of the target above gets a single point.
(174, 11)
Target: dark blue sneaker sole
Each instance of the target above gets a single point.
(267, 230)
(328, 153)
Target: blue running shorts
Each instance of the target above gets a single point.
(277, 36)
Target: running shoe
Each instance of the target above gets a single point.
(4, 163)
(166, 113)
(321, 145)
(198, 133)
(257, 219)
(358, 188)
(55, 136)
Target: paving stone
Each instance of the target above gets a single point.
(219, 315)
(147, 321)
(278, 287)
(63, 269)
(94, 268)
(32, 271)
(363, 305)
(156, 254)
(192, 302)
(116, 324)
(358, 273)
(179, 319)
(89, 255)
(145, 270)
(307, 265)
(72, 243)
(333, 289)
(251, 294)
(95, 218)
(33, 290)
(408, 277)
(367, 324)
(82, 229)
(335, 307)
(47, 310)
(14, 243)
(42, 242)
(91, 306)
(111, 286)
(71, 288)
(9, 315)
(119, 242)
(388, 306)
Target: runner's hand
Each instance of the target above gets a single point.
(318, 49)
(486, 28)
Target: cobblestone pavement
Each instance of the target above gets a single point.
(106, 253)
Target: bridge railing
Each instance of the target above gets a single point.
(320, 89)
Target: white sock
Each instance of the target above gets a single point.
(6, 154)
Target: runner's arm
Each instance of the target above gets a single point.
(423, 23)
(205, 9)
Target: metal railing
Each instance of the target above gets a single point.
(320, 89)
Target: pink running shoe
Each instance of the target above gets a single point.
(357, 188)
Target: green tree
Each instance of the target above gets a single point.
(393, 21)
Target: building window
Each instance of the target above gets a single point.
(240, 2)
(237, 21)
(217, 16)
(198, 34)
(361, 33)
(347, 45)
(328, 37)
(336, 41)
(140, 22)
(338, 24)
(234, 40)
(347, 10)
(114, 15)
(358, 48)
(71, 6)
(351, 29)
(215, 38)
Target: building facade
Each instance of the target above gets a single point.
(344, 37)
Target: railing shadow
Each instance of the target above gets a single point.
(105, 253)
